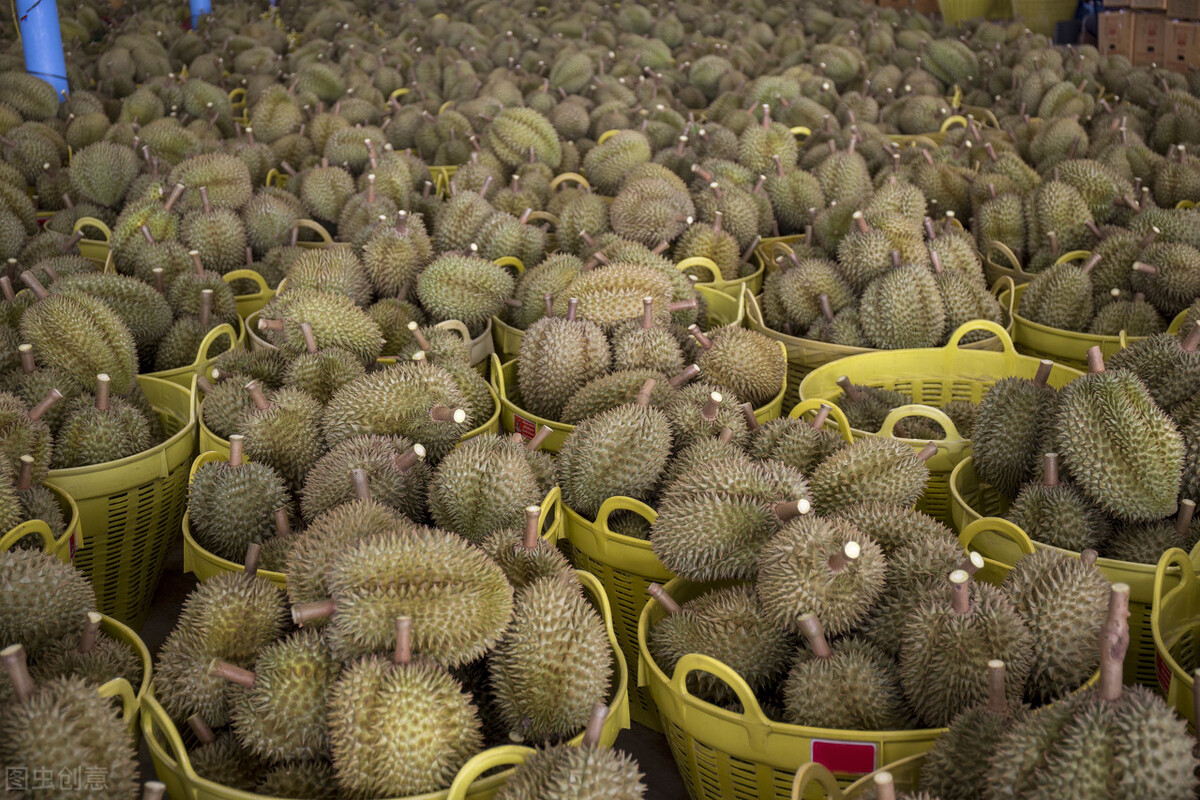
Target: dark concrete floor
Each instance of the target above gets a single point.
(649, 748)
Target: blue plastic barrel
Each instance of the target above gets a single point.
(42, 40)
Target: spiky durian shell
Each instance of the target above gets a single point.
(468, 289)
(1014, 419)
(872, 469)
(558, 357)
(746, 363)
(1059, 516)
(483, 486)
(334, 270)
(83, 336)
(91, 436)
(615, 389)
(326, 537)
(47, 599)
(854, 689)
(564, 772)
(903, 309)
(525, 567)
(231, 507)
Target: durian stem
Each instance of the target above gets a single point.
(310, 341)
(75, 239)
(13, 657)
(643, 395)
(160, 285)
(572, 308)
(197, 265)
(7, 287)
(1053, 237)
(860, 222)
(442, 413)
(34, 285)
(689, 372)
(664, 599)
(173, 198)
(532, 516)
(749, 251)
(25, 476)
(725, 436)
(927, 452)
(90, 633)
(885, 786)
(997, 697)
(282, 526)
(936, 261)
(236, 445)
(822, 415)
(814, 634)
(1183, 520)
(972, 563)
(250, 565)
(539, 438)
(1114, 641)
(1097, 234)
(844, 557)
(681, 305)
(1149, 238)
(826, 307)
(103, 391)
(699, 336)
(200, 728)
(1091, 263)
(790, 509)
(232, 673)
(648, 313)
(361, 483)
(747, 413)
(403, 652)
(595, 725)
(418, 336)
(28, 362)
(895, 255)
(1192, 340)
(1089, 557)
(206, 303)
(405, 461)
(1095, 359)
(1050, 469)
(1045, 366)
(709, 412)
(204, 199)
(256, 394)
(960, 592)
(318, 609)
(52, 397)
(849, 389)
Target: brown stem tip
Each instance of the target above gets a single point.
(664, 598)
(997, 697)
(814, 634)
(15, 665)
(595, 725)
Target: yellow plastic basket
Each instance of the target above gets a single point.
(183, 376)
(247, 304)
(1002, 544)
(806, 355)
(956, 11)
(1041, 15)
(64, 547)
(627, 566)
(204, 565)
(1175, 624)
(324, 239)
(730, 755)
(441, 179)
(96, 250)
(772, 248)
(972, 498)
(173, 768)
(1001, 262)
(933, 377)
(130, 509)
(721, 309)
(815, 782)
(515, 419)
(708, 274)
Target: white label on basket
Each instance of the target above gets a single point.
(846, 758)
(524, 426)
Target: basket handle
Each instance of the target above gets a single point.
(543, 216)
(505, 756)
(396, 95)
(604, 137)
(703, 263)
(572, 177)
(836, 415)
(210, 338)
(919, 410)
(1074, 255)
(551, 504)
(595, 588)
(497, 375)
(997, 525)
(119, 687)
(92, 222)
(1185, 204)
(275, 178)
(455, 326)
(28, 528)
(983, 325)
(250, 275)
(693, 662)
(318, 228)
(956, 98)
(237, 95)
(517, 264)
(1174, 557)
(1006, 251)
(621, 503)
(156, 722)
(813, 773)
(801, 132)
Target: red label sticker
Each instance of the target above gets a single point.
(524, 426)
(73, 545)
(1164, 673)
(847, 758)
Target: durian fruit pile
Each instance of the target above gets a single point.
(854, 611)
(867, 407)
(1001, 748)
(56, 656)
(1106, 463)
(440, 645)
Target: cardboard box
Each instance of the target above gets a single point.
(1116, 4)
(1115, 32)
(1183, 42)
(1183, 9)
(1148, 5)
(1149, 39)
